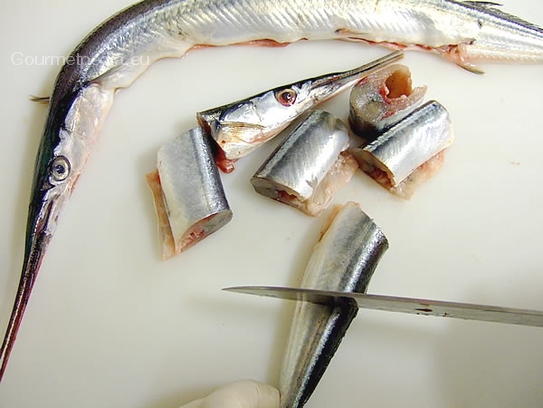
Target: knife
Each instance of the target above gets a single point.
(425, 307)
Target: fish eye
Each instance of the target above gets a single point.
(286, 97)
(60, 168)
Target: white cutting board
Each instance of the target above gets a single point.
(109, 325)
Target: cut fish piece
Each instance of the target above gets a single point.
(382, 99)
(410, 152)
(188, 193)
(309, 166)
(344, 259)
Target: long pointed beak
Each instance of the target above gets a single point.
(38, 238)
(340, 80)
(28, 277)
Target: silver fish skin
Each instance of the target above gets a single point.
(190, 192)
(407, 145)
(240, 127)
(114, 54)
(381, 99)
(344, 259)
(308, 167)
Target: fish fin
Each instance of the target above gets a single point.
(349, 35)
(352, 36)
(258, 43)
(483, 3)
(264, 43)
(111, 78)
(458, 55)
(474, 69)
(241, 125)
(44, 100)
(491, 7)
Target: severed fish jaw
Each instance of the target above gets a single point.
(241, 127)
(344, 259)
(309, 166)
(188, 193)
(409, 152)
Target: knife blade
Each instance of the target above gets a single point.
(424, 307)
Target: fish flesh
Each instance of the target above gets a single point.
(381, 99)
(114, 54)
(344, 259)
(410, 152)
(309, 166)
(240, 127)
(186, 165)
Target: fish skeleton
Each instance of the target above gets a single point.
(111, 57)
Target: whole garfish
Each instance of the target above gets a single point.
(112, 57)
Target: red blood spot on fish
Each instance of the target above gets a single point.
(226, 165)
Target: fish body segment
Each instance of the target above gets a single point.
(382, 99)
(189, 196)
(409, 152)
(344, 259)
(309, 166)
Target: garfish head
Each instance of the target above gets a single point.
(242, 126)
(273, 110)
(70, 131)
(67, 142)
(54, 178)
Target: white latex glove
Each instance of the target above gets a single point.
(240, 394)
